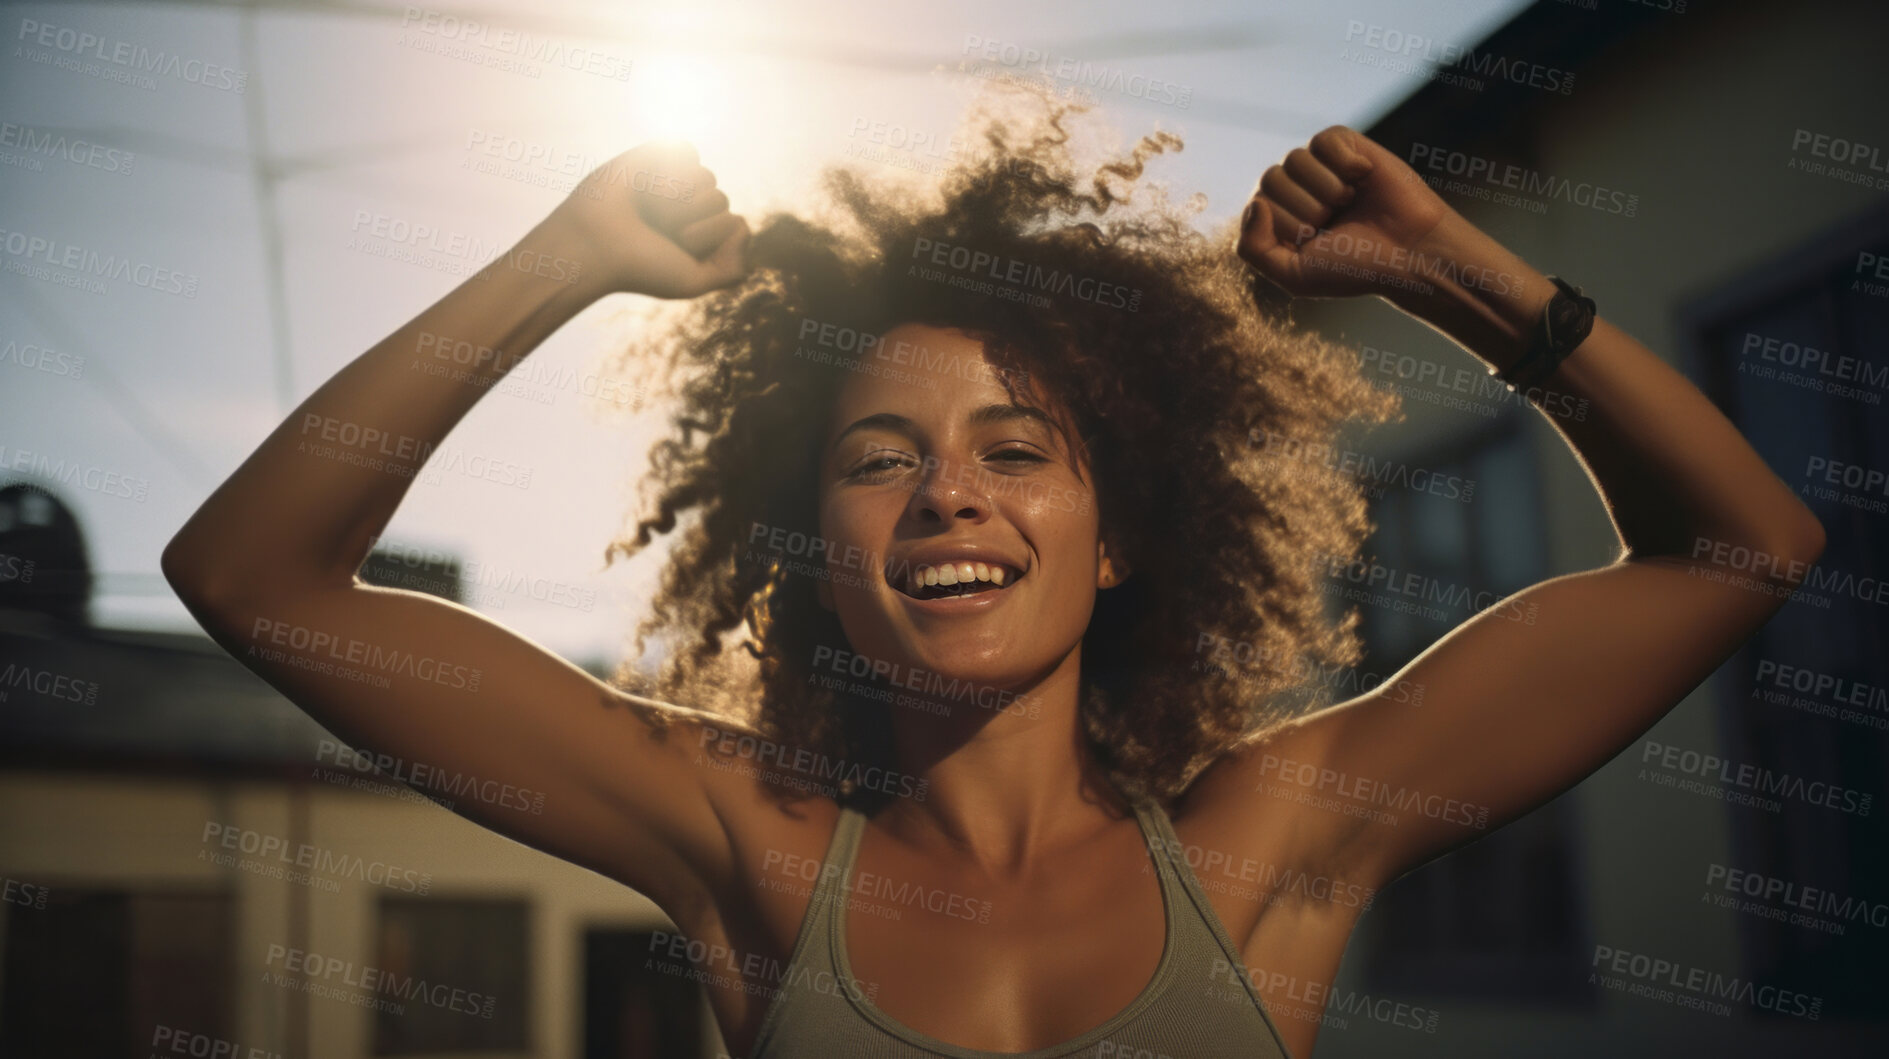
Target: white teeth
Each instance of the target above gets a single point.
(957, 573)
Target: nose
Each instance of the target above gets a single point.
(946, 493)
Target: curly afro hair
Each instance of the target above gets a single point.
(1170, 357)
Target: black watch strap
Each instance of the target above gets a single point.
(1565, 323)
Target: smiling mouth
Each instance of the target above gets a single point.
(950, 580)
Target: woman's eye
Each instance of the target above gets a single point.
(1017, 456)
(878, 465)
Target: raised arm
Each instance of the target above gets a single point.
(529, 745)
(1515, 711)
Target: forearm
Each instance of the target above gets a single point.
(1671, 468)
(306, 505)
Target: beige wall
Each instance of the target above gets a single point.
(78, 830)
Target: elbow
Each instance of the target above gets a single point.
(215, 599)
(211, 579)
(188, 573)
(1791, 548)
(1804, 543)
(199, 576)
(1799, 534)
(182, 570)
(1780, 552)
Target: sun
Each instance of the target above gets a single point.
(680, 96)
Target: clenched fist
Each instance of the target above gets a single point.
(1342, 216)
(651, 221)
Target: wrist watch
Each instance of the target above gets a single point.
(1564, 325)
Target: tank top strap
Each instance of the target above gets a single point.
(841, 850)
(1162, 841)
(810, 945)
(1159, 834)
(1173, 857)
(1172, 853)
(831, 885)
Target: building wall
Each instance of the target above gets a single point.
(78, 830)
(1696, 118)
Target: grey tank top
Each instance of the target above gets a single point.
(1200, 1004)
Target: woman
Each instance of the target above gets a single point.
(999, 484)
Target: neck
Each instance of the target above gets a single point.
(1008, 784)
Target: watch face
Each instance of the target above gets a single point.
(1571, 321)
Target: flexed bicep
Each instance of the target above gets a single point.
(1520, 703)
(490, 724)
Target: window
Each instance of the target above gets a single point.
(1794, 354)
(459, 970)
(1501, 917)
(97, 972)
(631, 1009)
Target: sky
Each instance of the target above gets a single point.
(262, 173)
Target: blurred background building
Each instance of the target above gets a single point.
(170, 826)
(1678, 184)
(168, 818)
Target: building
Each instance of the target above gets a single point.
(1709, 178)
(183, 848)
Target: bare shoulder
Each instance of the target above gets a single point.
(746, 903)
(1245, 814)
(1231, 793)
(1272, 862)
(768, 825)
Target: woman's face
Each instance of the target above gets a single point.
(929, 470)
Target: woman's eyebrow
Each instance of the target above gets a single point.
(886, 420)
(990, 413)
(1010, 413)
(1004, 413)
